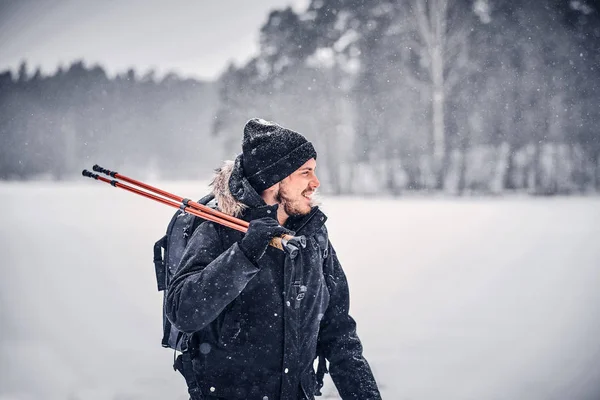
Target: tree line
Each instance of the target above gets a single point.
(483, 96)
(54, 126)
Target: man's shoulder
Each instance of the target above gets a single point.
(209, 230)
(206, 227)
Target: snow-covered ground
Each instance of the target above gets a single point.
(456, 299)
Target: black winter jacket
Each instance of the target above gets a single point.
(257, 327)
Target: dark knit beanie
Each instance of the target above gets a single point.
(271, 153)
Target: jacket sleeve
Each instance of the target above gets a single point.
(208, 279)
(339, 342)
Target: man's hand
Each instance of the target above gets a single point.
(260, 232)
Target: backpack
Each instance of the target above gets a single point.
(168, 251)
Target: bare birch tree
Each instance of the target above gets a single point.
(439, 41)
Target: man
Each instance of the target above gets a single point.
(258, 316)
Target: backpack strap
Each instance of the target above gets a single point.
(159, 264)
(161, 280)
(183, 364)
(167, 339)
(321, 371)
(323, 243)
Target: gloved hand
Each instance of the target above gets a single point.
(259, 234)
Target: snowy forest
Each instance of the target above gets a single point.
(459, 96)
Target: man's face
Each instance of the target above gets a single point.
(296, 191)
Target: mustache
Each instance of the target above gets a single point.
(309, 190)
(281, 195)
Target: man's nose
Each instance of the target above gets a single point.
(315, 182)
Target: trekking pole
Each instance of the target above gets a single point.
(286, 243)
(171, 196)
(173, 204)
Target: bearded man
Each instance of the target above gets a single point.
(257, 317)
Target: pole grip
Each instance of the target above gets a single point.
(105, 171)
(290, 244)
(89, 174)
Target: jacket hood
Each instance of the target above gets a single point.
(233, 193)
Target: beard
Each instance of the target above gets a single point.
(294, 205)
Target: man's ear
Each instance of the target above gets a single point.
(269, 195)
(276, 188)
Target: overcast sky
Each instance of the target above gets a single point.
(195, 38)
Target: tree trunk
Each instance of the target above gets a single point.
(412, 168)
(332, 138)
(553, 172)
(498, 179)
(537, 168)
(391, 183)
(462, 171)
(332, 160)
(578, 170)
(439, 140)
(509, 176)
(334, 175)
(442, 171)
(596, 167)
(431, 17)
(439, 145)
(530, 177)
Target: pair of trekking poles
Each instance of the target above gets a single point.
(288, 243)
